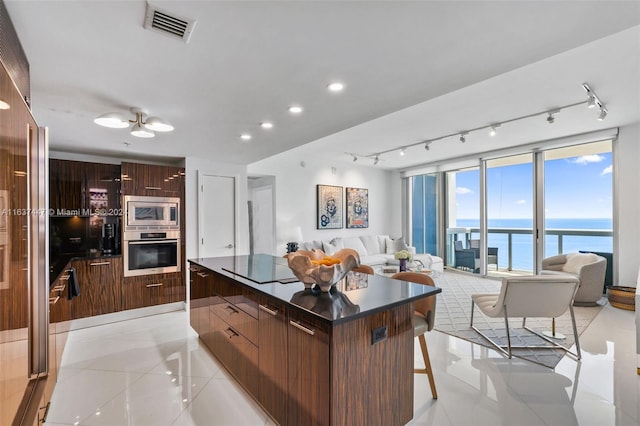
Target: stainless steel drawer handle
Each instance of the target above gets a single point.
(63, 278)
(152, 188)
(54, 300)
(99, 263)
(231, 333)
(202, 275)
(299, 326)
(273, 312)
(59, 287)
(154, 285)
(230, 308)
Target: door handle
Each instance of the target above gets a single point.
(229, 246)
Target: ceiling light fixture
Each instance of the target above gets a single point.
(295, 109)
(335, 87)
(493, 128)
(376, 160)
(594, 101)
(402, 151)
(592, 97)
(245, 136)
(266, 125)
(355, 157)
(143, 127)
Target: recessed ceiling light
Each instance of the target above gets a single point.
(295, 109)
(266, 125)
(245, 136)
(336, 87)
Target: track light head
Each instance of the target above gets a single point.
(402, 151)
(376, 159)
(493, 128)
(463, 139)
(426, 145)
(551, 118)
(603, 113)
(355, 157)
(591, 102)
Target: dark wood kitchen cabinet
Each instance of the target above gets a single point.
(149, 290)
(59, 305)
(272, 357)
(81, 187)
(152, 180)
(100, 280)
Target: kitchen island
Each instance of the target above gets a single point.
(307, 357)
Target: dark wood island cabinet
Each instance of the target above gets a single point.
(307, 357)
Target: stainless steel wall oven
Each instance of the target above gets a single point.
(152, 252)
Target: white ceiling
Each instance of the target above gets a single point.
(413, 71)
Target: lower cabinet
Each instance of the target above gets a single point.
(308, 367)
(149, 290)
(99, 281)
(272, 358)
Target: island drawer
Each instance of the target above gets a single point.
(242, 298)
(236, 318)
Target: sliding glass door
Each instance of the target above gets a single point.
(510, 208)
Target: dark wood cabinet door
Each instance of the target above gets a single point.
(272, 359)
(148, 290)
(99, 281)
(199, 295)
(59, 304)
(103, 187)
(152, 180)
(67, 186)
(308, 372)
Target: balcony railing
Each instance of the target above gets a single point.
(559, 235)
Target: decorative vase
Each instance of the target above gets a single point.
(403, 265)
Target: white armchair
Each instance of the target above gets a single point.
(588, 267)
(530, 296)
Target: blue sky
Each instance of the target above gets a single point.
(577, 187)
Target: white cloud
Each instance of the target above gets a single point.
(521, 202)
(607, 170)
(586, 159)
(462, 190)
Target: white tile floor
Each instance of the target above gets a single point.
(154, 371)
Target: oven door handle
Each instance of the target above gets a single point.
(152, 241)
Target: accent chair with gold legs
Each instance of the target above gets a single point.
(423, 321)
(535, 296)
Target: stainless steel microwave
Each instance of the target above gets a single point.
(148, 213)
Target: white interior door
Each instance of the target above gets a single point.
(217, 215)
(263, 240)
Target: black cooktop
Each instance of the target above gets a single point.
(262, 269)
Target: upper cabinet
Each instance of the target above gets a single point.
(152, 180)
(79, 188)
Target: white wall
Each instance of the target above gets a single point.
(192, 166)
(627, 175)
(296, 196)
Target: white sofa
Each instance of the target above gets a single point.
(374, 250)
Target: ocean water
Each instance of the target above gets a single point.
(522, 244)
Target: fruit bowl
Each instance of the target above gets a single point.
(314, 267)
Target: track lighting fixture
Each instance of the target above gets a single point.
(355, 158)
(143, 126)
(592, 101)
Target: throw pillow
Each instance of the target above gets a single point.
(328, 248)
(575, 261)
(355, 244)
(395, 245)
(371, 244)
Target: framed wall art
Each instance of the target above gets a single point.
(357, 208)
(329, 207)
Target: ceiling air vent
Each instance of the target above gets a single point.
(166, 23)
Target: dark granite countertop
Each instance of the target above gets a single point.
(357, 295)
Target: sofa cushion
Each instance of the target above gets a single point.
(575, 261)
(393, 246)
(374, 260)
(371, 244)
(330, 247)
(356, 244)
(382, 242)
(310, 245)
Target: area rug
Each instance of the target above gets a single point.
(453, 313)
